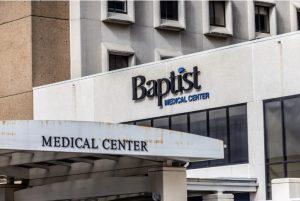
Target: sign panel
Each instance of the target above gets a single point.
(106, 138)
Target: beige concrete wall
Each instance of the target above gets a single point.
(14, 10)
(34, 40)
(16, 107)
(50, 50)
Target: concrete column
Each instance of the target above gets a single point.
(6, 194)
(168, 183)
(285, 189)
(219, 197)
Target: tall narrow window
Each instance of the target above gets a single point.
(117, 61)
(117, 6)
(169, 10)
(262, 22)
(217, 13)
(218, 130)
(298, 19)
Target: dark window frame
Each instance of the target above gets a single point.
(285, 162)
(114, 9)
(167, 16)
(213, 4)
(298, 19)
(258, 26)
(117, 55)
(208, 130)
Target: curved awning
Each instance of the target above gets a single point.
(107, 139)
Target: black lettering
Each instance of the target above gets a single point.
(187, 81)
(144, 146)
(94, 146)
(173, 82)
(152, 91)
(86, 144)
(136, 145)
(65, 141)
(56, 141)
(72, 142)
(195, 77)
(136, 86)
(104, 144)
(45, 142)
(160, 93)
(180, 88)
(113, 144)
(121, 144)
(76, 143)
(129, 144)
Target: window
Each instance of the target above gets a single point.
(218, 130)
(262, 22)
(217, 13)
(298, 19)
(161, 123)
(117, 6)
(228, 124)
(166, 57)
(179, 123)
(169, 10)
(117, 61)
(282, 138)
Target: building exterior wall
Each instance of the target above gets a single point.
(35, 51)
(89, 31)
(245, 73)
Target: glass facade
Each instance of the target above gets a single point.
(217, 13)
(262, 22)
(282, 138)
(227, 123)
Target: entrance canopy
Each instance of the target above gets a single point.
(107, 139)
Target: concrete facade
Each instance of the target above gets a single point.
(35, 51)
(143, 33)
(252, 72)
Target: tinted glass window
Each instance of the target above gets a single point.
(262, 19)
(169, 10)
(117, 6)
(228, 124)
(161, 123)
(217, 13)
(238, 134)
(218, 130)
(117, 61)
(198, 123)
(179, 123)
(282, 117)
(274, 131)
(292, 128)
(146, 123)
(293, 170)
(298, 19)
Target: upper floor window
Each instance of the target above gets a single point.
(262, 21)
(117, 6)
(298, 19)
(169, 10)
(117, 61)
(217, 13)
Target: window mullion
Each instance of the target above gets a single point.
(283, 140)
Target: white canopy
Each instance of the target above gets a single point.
(107, 139)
